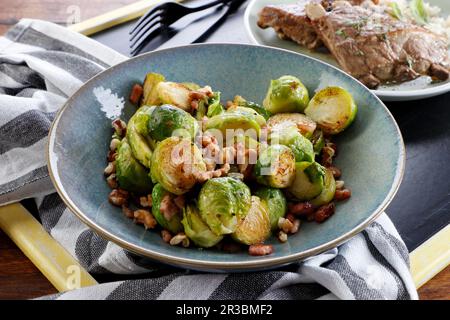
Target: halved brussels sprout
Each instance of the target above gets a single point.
(174, 224)
(333, 108)
(309, 181)
(286, 94)
(174, 162)
(240, 101)
(175, 94)
(197, 230)
(248, 112)
(214, 106)
(140, 143)
(305, 125)
(328, 190)
(256, 225)
(233, 121)
(318, 141)
(150, 94)
(131, 175)
(276, 166)
(223, 204)
(276, 204)
(300, 146)
(191, 85)
(168, 120)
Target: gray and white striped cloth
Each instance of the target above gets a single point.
(41, 65)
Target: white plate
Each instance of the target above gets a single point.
(412, 90)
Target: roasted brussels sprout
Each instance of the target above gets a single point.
(197, 230)
(223, 204)
(248, 112)
(174, 224)
(333, 108)
(191, 85)
(174, 162)
(233, 121)
(286, 94)
(300, 146)
(276, 166)
(305, 125)
(168, 120)
(137, 135)
(309, 181)
(328, 190)
(214, 106)
(318, 141)
(150, 94)
(239, 101)
(256, 225)
(276, 204)
(131, 175)
(175, 94)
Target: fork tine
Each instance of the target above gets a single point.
(147, 24)
(145, 16)
(146, 38)
(143, 33)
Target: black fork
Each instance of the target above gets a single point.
(159, 17)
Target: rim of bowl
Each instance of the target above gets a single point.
(196, 264)
(388, 95)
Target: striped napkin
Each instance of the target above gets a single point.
(41, 65)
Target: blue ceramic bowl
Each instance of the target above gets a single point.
(371, 151)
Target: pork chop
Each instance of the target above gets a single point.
(377, 48)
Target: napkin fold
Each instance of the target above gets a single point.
(41, 65)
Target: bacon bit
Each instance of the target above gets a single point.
(260, 249)
(111, 156)
(166, 236)
(112, 181)
(168, 208)
(301, 209)
(324, 212)
(327, 156)
(335, 171)
(127, 212)
(179, 201)
(120, 127)
(194, 104)
(136, 93)
(342, 194)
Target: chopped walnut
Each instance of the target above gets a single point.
(285, 224)
(146, 201)
(166, 236)
(296, 226)
(146, 218)
(168, 208)
(118, 197)
(206, 175)
(127, 212)
(342, 194)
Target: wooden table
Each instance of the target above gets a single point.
(19, 278)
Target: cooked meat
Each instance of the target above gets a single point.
(376, 48)
(290, 22)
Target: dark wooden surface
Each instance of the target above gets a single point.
(19, 278)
